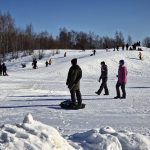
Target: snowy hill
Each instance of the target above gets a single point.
(40, 92)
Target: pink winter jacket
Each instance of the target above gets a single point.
(122, 74)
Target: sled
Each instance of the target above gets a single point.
(68, 105)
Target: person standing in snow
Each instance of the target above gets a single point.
(106, 48)
(117, 47)
(34, 64)
(4, 69)
(50, 62)
(140, 56)
(127, 46)
(73, 82)
(94, 51)
(123, 47)
(122, 80)
(65, 54)
(46, 63)
(104, 77)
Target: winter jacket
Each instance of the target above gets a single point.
(74, 76)
(1, 68)
(4, 68)
(122, 75)
(104, 72)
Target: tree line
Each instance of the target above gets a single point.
(14, 39)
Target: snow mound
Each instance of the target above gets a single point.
(108, 139)
(31, 135)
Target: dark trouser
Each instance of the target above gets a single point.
(122, 88)
(76, 94)
(4, 73)
(103, 86)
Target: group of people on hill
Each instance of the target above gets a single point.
(3, 70)
(75, 74)
(34, 63)
(123, 47)
(133, 47)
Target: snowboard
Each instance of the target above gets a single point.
(67, 104)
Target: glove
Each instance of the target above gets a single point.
(99, 80)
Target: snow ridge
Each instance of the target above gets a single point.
(31, 135)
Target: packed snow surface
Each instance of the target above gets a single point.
(105, 123)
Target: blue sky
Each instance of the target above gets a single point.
(103, 17)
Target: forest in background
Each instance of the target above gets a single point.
(14, 39)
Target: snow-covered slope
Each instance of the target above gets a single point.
(40, 92)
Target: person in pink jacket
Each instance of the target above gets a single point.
(122, 80)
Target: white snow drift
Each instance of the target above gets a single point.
(34, 135)
(31, 135)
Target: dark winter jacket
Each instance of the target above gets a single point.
(74, 76)
(4, 68)
(0, 67)
(104, 72)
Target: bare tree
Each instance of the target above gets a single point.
(129, 40)
(146, 42)
(119, 39)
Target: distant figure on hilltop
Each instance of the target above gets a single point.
(50, 62)
(65, 54)
(106, 48)
(46, 63)
(134, 46)
(4, 69)
(117, 47)
(127, 46)
(123, 47)
(140, 56)
(138, 43)
(104, 77)
(122, 80)
(73, 82)
(34, 63)
(114, 48)
(94, 51)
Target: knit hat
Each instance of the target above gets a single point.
(121, 62)
(102, 63)
(74, 61)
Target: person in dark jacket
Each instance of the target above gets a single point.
(0, 69)
(122, 80)
(34, 64)
(65, 54)
(117, 47)
(104, 77)
(4, 69)
(73, 82)
(94, 51)
(123, 47)
(46, 63)
(127, 46)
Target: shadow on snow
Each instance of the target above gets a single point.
(30, 106)
(38, 100)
